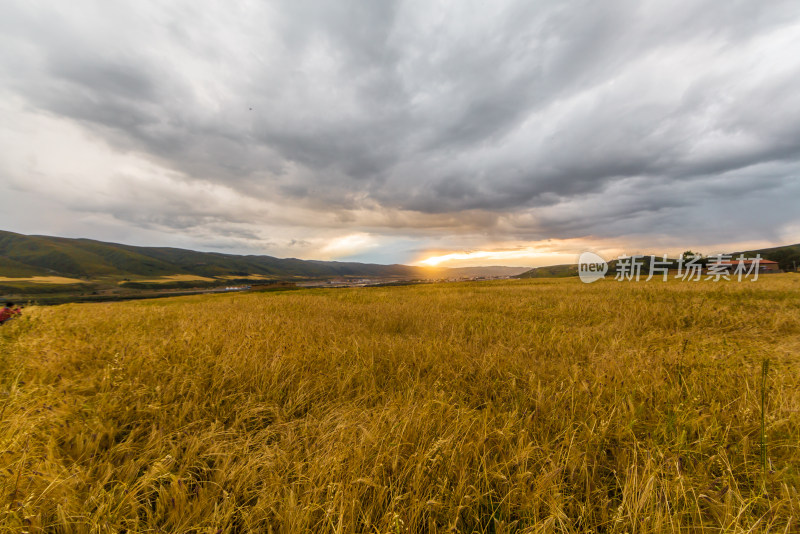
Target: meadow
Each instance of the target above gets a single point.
(494, 407)
(43, 280)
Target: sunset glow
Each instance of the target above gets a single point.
(527, 256)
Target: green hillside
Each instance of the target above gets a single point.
(25, 256)
(551, 271)
(81, 258)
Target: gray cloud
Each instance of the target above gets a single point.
(580, 116)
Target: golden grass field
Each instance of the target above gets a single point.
(513, 406)
(44, 280)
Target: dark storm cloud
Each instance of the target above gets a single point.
(440, 108)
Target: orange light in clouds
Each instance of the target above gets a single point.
(537, 254)
(526, 256)
(566, 251)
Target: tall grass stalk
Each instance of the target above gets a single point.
(764, 373)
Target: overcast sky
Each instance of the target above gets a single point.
(519, 131)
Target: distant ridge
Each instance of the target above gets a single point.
(34, 255)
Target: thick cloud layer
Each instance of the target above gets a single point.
(279, 126)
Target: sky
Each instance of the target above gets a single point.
(451, 133)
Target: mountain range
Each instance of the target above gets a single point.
(25, 256)
(34, 255)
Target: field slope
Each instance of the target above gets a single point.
(514, 406)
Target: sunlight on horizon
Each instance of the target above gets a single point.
(560, 252)
(523, 257)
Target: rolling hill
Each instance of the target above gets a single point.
(26, 256)
(551, 271)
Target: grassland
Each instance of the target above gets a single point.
(515, 406)
(43, 280)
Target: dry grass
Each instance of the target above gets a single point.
(44, 280)
(524, 406)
